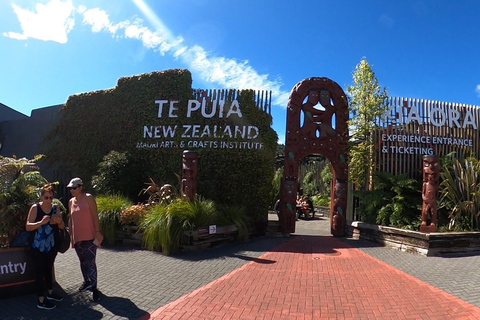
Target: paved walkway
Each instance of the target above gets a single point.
(309, 275)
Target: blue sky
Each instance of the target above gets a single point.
(51, 49)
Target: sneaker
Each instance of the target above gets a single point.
(55, 297)
(85, 286)
(96, 294)
(47, 305)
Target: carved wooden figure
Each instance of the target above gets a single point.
(189, 174)
(339, 205)
(430, 193)
(317, 114)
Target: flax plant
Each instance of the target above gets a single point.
(109, 208)
(237, 215)
(460, 192)
(165, 224)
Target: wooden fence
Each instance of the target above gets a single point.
(413, 128)
(263, 98)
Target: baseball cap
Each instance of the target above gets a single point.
(75, 182)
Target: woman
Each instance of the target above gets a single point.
(44, 218)
(84, 228)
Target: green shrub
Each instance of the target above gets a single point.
(310, 185)
(321, 200)
(396, 201)
(109, 208)
(18, 191)
(112, 174)
(165, 224)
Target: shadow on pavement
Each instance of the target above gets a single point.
(72, 307)
(121, 307)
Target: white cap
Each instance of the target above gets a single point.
(75, 182)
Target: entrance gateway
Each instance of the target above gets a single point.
(317, 115)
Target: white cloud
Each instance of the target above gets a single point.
(225, 72)
(477, 90)
(99, 20)
(54, 21)
(51, 22)
(152, 40)
(230, 73)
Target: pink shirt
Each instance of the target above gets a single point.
(82, 221)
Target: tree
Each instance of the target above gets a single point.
(367, 104)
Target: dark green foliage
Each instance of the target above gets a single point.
(326, 179)
(19, 189)
(310, 185)
(112, 174)
(275, 191)
(369, 204)
(95, 123)
(395, 201)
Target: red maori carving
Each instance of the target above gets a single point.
(189, 174)
(339, 206)
(429, 193)
(317, 114)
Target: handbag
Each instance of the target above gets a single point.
(23, 239)
(63, 240)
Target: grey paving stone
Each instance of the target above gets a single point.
(135, 281)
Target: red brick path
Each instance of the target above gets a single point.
(312, 277)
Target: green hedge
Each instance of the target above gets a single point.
(95, 123)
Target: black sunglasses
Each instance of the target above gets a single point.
(48, 198)
(73, 188)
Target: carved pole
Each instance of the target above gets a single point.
(323, 106)
(429, 193)
(189, 174)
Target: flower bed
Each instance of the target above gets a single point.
(205, 237)
(129, 235)
(429, 244)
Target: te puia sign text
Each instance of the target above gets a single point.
(193, 135)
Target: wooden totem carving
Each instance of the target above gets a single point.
(430, 193)
(317, 114)
(189, 174)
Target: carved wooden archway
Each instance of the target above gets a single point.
(317, 115)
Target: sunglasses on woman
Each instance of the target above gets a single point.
(48, 198)
(73, 188)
